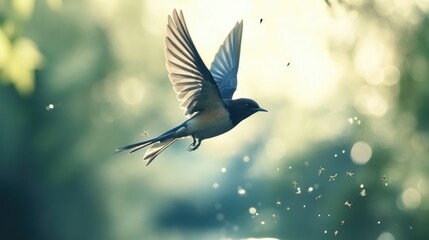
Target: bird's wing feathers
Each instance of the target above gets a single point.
(192, 81)
(225, 65)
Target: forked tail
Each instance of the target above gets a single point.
(157, 145)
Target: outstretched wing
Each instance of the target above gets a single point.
(192, 81)
(225, 65)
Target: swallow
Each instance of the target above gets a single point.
(205, 95)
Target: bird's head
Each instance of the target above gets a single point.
(240, 109)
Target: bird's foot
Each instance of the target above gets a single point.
(194, 145)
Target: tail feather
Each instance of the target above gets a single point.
(158, 144)
(156, 149)
(137, 146)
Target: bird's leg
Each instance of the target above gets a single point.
(194, 145)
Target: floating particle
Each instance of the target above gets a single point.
(336, 233)
(333, 177)
(215, 185)
(246, 159)
(411, 227)
(362, 186)
(260, 20)
(145, 133)
(278, 203)
(344, 151)
(363, 192)
(359, 122)
(298, 190)
(235, 228)
(378, 222)
(252, 210)
(241, 191)
(278, 169)
(50, 107)
(386, 184)
(342, 222)
(287, 208)
(326, 231)
(294, 184)
(303, 206)
(263, 222)
(355, 118)
(274, 216)
(288, 64)
(223, 170)
(350, 120)
(290, 167)
(218, 206)
(318, 215)
(350, 174)
(335, 155)
(347, 204)
(318, 197)
(321, 170)
(383, 178)
(329, 215)
(310, 189)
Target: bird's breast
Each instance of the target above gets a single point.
(209, 124)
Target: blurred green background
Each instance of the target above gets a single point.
(343, 152)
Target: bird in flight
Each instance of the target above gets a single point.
(205, 95)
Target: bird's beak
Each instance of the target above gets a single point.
(259, 110)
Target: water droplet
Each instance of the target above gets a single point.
(215, 185)
(241, 191)
(252, 210)
(223, 170)
(50, 107)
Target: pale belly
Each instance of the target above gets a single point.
(209, 124)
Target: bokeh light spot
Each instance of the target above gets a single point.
(361, 153)
(386, 236)
(411, 198)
